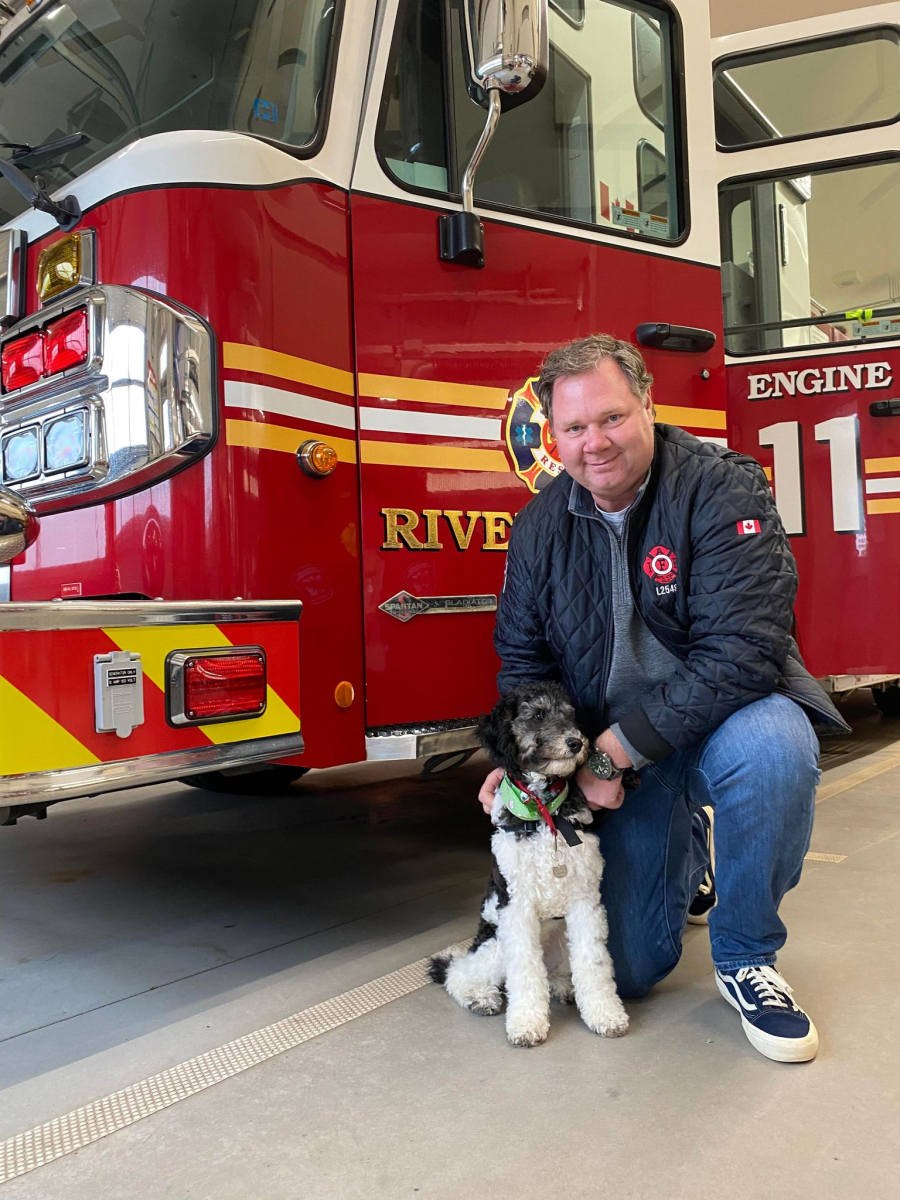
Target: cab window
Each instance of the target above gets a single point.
(598, 146)
(811, 259)
(572, 10)
(109, 74)
(802, 89)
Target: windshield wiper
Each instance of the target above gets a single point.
(21, 150)
(66, 213)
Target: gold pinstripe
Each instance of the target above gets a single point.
(882, 464)
(238, 356)
(415, 454)
(263, 435)
(432, 391)
(887, 505)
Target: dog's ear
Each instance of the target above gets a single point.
(496, 735)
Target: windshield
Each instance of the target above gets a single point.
(117, 70)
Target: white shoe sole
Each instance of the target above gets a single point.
(703, 919)
(779, 1049)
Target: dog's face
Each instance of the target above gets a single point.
(533, 728)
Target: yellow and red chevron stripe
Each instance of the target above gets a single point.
(402, 421)
(47, 693)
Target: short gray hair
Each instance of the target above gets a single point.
(584, 354)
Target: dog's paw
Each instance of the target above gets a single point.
(611, 1029)
(562, 989)
(488, 1004)
(526, 1033)
(608, 1020)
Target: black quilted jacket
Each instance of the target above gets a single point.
(719, 599)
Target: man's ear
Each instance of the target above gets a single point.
(649, 405)
(496, 735)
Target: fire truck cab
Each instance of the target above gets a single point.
(808, 150)
(268, 389)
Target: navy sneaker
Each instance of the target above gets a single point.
(774, 1023)
(705, 900)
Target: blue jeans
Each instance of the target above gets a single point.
(759, 771)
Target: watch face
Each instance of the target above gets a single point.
(601, 765)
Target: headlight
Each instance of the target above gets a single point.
(21, 455)
(62, 266)
(65, 443)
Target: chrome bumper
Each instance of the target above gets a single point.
(46, 787)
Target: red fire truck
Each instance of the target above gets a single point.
(267, 359)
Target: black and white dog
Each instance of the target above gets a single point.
(543, 869)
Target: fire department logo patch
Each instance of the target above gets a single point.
(530, 441)
(661, 565)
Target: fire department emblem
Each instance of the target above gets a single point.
(530, 441)
(661, 565)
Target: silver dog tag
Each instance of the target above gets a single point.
(560, 870)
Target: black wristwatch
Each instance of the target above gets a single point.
(601, 765)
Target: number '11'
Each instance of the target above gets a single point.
(842, 436)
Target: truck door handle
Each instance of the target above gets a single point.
(885, 408)
(663, 336)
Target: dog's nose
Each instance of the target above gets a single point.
(575, 744)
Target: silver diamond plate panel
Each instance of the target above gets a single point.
(54, 1139)
(834, 858)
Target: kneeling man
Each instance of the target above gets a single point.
(654, 579)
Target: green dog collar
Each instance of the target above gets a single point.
(518, 802)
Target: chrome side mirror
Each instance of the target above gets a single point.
(508, 57)
(506, 42)
(19, 525)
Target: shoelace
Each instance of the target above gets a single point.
(771, 989)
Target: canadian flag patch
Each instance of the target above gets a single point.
(749, 527)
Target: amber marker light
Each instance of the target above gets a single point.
(59, 267)
(317, 458)
(344, 694)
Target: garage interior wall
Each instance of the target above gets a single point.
(733, 16)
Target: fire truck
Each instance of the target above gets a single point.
(276, 279)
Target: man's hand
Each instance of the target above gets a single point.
(488, 788)
(600, 793)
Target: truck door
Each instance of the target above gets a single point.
(809, 167)
(593, 221)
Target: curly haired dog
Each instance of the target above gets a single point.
(543, 870)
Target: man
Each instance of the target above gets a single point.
(655, 580)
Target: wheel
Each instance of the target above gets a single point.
(888, 700)
(268, 781)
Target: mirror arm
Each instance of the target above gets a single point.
(490, 128)
(461, 233)
(67, 213)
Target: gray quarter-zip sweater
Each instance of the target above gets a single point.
(639, 661)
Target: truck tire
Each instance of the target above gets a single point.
(888, 700)
(272, 781)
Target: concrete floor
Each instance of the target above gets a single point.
(146, 927)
